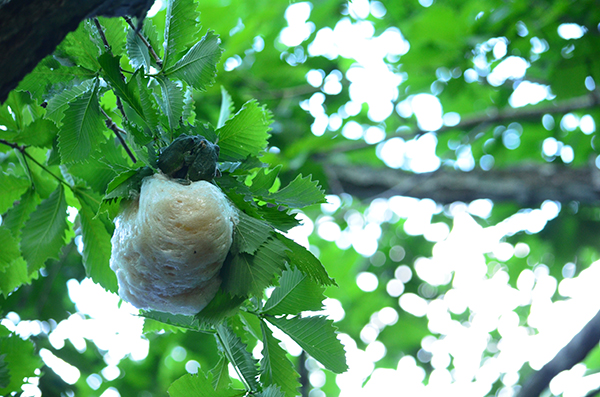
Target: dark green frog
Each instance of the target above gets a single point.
(190, 157)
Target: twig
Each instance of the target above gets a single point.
(102, 35)
(119, 134)
(21, 149)
(146, 42)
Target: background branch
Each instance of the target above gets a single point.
(574, 352)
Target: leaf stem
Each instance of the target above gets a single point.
(146, 42)
(21, 149)
(119, 134)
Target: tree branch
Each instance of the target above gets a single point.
(490, 117)
(526, 185)
(574, 352)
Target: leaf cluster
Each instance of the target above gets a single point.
(86, 127)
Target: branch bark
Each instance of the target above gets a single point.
(574, 352)
(525, 185)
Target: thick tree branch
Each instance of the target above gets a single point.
(526, 185)
(492, 116)
(574, 352)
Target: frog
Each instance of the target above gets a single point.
(191, 158)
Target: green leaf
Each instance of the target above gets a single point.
(226, 107)
(189, 106)
(21, 360)
(199, 386)
(13, 187)
(59, 103)
(43, 234)
(50, 78)
(264, 180)
(245, 134)
(316, 335)
(126, 91)
(276, 369)
(81, 47)
(39, 133)
(82, 128)
(4, 372)
(299, 193)
(220, 375)
(181, 27)
(10, 248)
(14, 276)
(172, 101)
(271, 391)
(249, 234)
(238, 356)
(305, 261)
(247, 274)
(96, 241)
(198, 67)
(15, 218)
(178, 320)
(137, 51)
(296, 293)
(277, 217)
(148, 102)
(124, 184)
(223, 305)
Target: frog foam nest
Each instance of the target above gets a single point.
(170, 243)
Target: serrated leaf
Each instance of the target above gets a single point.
(198, 66)
(39, 133)
(13, 187)
(295, 293)
(238, 356)
(153, 326)
(316, 335)
(148, 102)
(81, 47)
(126, 91)
(245, 134)
(280, 219)
(20, 359)
(137, 51)
(299, 193)
(264, 180)
(126, 183)
(181, 27)
(223, 305)
(178, 320)
(96, 241)
(50, 78)
(276, 369)
(226, 107)
(14, 276)
(15, 218)
(305, 261)
(43, 234)
(10, 248)
(199, 386)
(220, 375)
(172, 101)
(82, 128)
(60, 102)
(248, 274)
(271, 391)
(249, 234)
